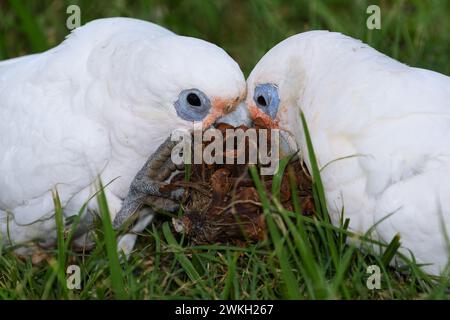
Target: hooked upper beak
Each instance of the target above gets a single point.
(239, 117)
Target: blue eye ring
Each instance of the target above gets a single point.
(192, 105)
(267, 99)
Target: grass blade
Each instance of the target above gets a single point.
(391, 250)
(61, 258)
(319, 194)
(292, 291)
(187, 265)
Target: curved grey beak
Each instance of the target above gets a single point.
(240, 116)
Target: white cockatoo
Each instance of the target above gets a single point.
(98, 105)
(380, 130)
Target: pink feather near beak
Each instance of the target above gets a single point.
(220, 107)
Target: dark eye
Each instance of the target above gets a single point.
(193, 100)
(262, 101)
(192, 105)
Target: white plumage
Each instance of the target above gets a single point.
(388, 123)
(96, 105)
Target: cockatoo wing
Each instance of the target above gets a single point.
(418, 209)
(387, 135)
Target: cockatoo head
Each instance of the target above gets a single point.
(289, 78)
(184, 81)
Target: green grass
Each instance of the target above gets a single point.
(303, 257)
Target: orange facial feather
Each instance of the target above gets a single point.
(220, 107)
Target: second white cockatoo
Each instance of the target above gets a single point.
(98, 105)
(380, 130)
